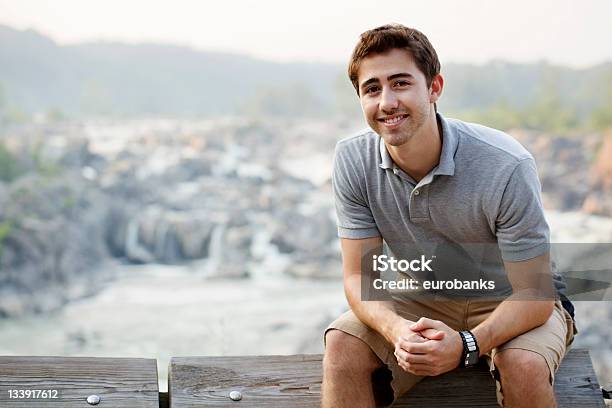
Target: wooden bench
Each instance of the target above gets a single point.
(256, 381)
(295, 381)
(119, 382)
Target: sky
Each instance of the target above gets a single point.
(567, 32)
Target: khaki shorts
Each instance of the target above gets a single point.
(550, 340)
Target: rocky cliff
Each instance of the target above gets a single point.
(247, 197)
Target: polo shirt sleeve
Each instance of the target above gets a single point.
(521, 229)
(355, 219)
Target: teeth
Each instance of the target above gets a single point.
(394, 120)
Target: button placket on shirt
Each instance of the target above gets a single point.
(418, 194)
(419, 199)
(419, 203)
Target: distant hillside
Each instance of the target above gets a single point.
(37, 75)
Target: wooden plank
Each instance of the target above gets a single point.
(263, 381)
(575, 386)
(119, 382)
(295, 381)
(473, 387)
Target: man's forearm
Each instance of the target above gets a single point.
(528, 307)
(378, 315)
(509, 319)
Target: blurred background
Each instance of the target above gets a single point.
(165, 167)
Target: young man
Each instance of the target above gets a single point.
(416, 177)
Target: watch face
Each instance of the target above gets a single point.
(471, 359)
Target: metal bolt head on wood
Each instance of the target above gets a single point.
(93, 400)
(235, 395)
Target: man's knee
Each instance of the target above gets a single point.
(345, 353)
(522, 366)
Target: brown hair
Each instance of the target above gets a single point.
(390, 36)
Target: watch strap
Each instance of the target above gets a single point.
(471, 352)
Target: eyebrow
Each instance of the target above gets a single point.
(389, 78)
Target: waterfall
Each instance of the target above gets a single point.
(133, 250)
(215, 250)
(161, 233)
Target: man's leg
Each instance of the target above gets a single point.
(525, 379)
(525, 366)
(348, 366)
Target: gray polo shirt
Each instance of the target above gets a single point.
(485, 190)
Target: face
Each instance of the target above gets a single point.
(394, 95)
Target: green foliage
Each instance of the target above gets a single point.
(542, 97)
(499, 116)
(545, 113)
(545, 117)
(69, 202)
(5, 229)
(42, 166)
(548, 110)
(601, 117)
(9, 166)
(12, 165)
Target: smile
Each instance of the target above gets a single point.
(393, 121)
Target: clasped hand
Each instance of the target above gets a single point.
(428, 347)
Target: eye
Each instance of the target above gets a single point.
(402, 83)
(371, 89)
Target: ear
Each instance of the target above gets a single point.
(435, 90)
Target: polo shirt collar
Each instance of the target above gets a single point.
(447, 155)
(386, 162)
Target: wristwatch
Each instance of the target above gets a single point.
(471, 353)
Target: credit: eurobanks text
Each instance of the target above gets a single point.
(413, 284)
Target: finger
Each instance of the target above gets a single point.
(432, 334)
(416, 369)
(405, 346)
(400, 354)
(413, 338)
(424, 323)
(416, 358)
(416, 348)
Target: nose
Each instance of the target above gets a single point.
(389, 102)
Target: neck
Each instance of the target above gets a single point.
(420, 153)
